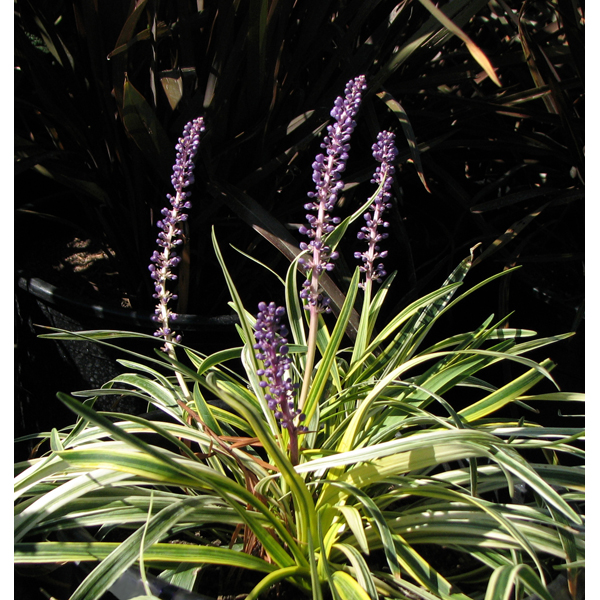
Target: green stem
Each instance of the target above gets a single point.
(182, 384)
(294, 456)
(310, 355)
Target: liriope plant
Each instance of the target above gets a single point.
(298, 458)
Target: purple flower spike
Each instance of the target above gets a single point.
(271, 348)
(164, 261)
(327, 170)
(384, 151)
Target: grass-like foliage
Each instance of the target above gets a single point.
(335, 464)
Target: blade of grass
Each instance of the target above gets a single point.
(55, 552)
(475, 51)
(409, 133)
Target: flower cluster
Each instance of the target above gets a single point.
(327, 170)
(168, 239)
(385, 152)
(272, 350)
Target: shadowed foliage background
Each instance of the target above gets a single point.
(103, 90)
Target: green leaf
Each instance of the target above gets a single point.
(55, 441)
(354, 520)
(505, 394)
(377, 302)
(503, 579)
(347, 587)
(237, 301)
(173, 87)
(397, 321)
(380, 524)
(128, 28)
(333, 239)
(307, 518)
(569, 477)
(414, 452)
(196, 476)
(28, 472)
(522, 469)
(510, 234)
(258, 262)
(365, 327)
(99, 335)
(295, 310)
(431, 312)
(360, 416)
(457, 524)
(539, 343)
(46, 504)
(205, 411)
(275, 577)
(363, 573)
(218, 358)
(162, 429)
(555, 397)
(53, 42)
(157, 394)
(162, 553)
(323, 343)
(146, 369)
(94, 335)
(496, 514)
(183, 576)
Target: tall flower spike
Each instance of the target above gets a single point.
(327, 170)
(384, 151)
(162, 262)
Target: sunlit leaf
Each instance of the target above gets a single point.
(475, 51)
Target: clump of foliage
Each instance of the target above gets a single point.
(335, 489)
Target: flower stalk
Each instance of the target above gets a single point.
(163, 262)
(327, 170)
